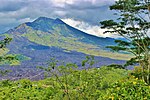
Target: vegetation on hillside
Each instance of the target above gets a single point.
(9, 59)
(13, 59)
(3, 44)
(71, 84)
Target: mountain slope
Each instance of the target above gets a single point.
(54, 32)
(47, 38)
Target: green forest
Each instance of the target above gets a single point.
(113, 82)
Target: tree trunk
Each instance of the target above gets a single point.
(148, 74)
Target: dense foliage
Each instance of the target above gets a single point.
(92, 84)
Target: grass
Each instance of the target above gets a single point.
(13, 59)
(71, 44)
(4, 51)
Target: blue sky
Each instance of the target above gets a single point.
(82, 14)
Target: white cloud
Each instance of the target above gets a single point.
(58, 3)
(62, 3)
(25, 20)
(90, 29)
(60, 13)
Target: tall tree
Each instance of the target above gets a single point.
(134, 25)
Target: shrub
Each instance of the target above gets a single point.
(129, 89)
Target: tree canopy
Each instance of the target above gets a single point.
(133, 24)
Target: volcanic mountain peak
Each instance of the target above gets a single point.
(43, 19)
(46, 20)
(58, 21)
(44, 23)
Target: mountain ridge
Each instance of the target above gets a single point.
(49, 25)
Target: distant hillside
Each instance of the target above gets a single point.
(54, 32)
(45, 38)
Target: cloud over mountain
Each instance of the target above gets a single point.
(90, 29)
